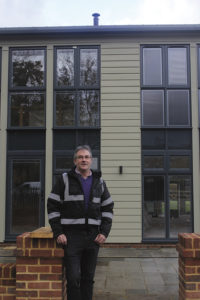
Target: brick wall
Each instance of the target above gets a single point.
(7, 281)
(39, 269)
(39, 266)
(189, 266)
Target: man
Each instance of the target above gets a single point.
(80, 212)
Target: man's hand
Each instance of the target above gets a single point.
(100, 239)
(61, 239)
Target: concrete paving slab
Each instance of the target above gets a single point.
(141, 274)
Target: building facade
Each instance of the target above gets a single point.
(131, 93)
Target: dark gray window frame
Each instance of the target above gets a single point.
(166, 176)
(165, 86)
(24, 153)
(25, 89)
(76, 109)
(166, 152)
(12, 155)
(77, 85)
(75, 89)
(166, 172)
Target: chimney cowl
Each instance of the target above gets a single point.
(96, 19)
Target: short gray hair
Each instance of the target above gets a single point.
(82, 147)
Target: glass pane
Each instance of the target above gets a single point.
(88, 67)
(179, 162)
(64, 162)
(178, 107)
(179, 139)
(152, 66)
(89, 108)
(26, 140)
(152, 108)
(89, 137)
(65, 67)
(26, 195)
(153, 162)
(154, 207)
(177, 66)
(180, 198)
(27, 109)
(153, 139)
(64, 140)
(28, 67)
(65, 106)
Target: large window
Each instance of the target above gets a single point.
(166, 142)
(25, 140)
(76, 104)
(27, 88)
(165, 87)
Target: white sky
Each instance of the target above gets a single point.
(28, 13)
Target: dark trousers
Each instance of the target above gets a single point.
(80, 261)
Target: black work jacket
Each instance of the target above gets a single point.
(66, 205)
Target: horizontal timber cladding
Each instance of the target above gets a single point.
(117, 143)
(120, 136)
(118, 109)
(121, 78)
(122, 204)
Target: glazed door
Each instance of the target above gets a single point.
(167, 206)
(25, 195)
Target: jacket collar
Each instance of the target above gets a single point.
(96, 174)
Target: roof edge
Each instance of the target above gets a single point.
(99, 29)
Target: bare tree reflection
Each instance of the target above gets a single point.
(28, 68)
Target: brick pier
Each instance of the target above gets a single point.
(39, 269)
(189, 266)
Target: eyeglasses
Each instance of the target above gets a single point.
(83, 157)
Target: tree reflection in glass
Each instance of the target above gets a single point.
(28, 68)
(65, 109)
(88, 67)
(27, 109)
(65, 67)
(89, 108)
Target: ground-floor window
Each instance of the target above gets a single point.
(167, 184)
(166, 217)
(25, 205)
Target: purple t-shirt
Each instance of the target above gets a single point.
(86, 185)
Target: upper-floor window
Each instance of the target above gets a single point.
(165, 86)
(27, 88)
(76, 104)
(69, 62)
(77, 87)
(27, 68)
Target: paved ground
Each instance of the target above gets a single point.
(137, 274)
(131, 274)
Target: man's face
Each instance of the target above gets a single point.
(83, 160)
